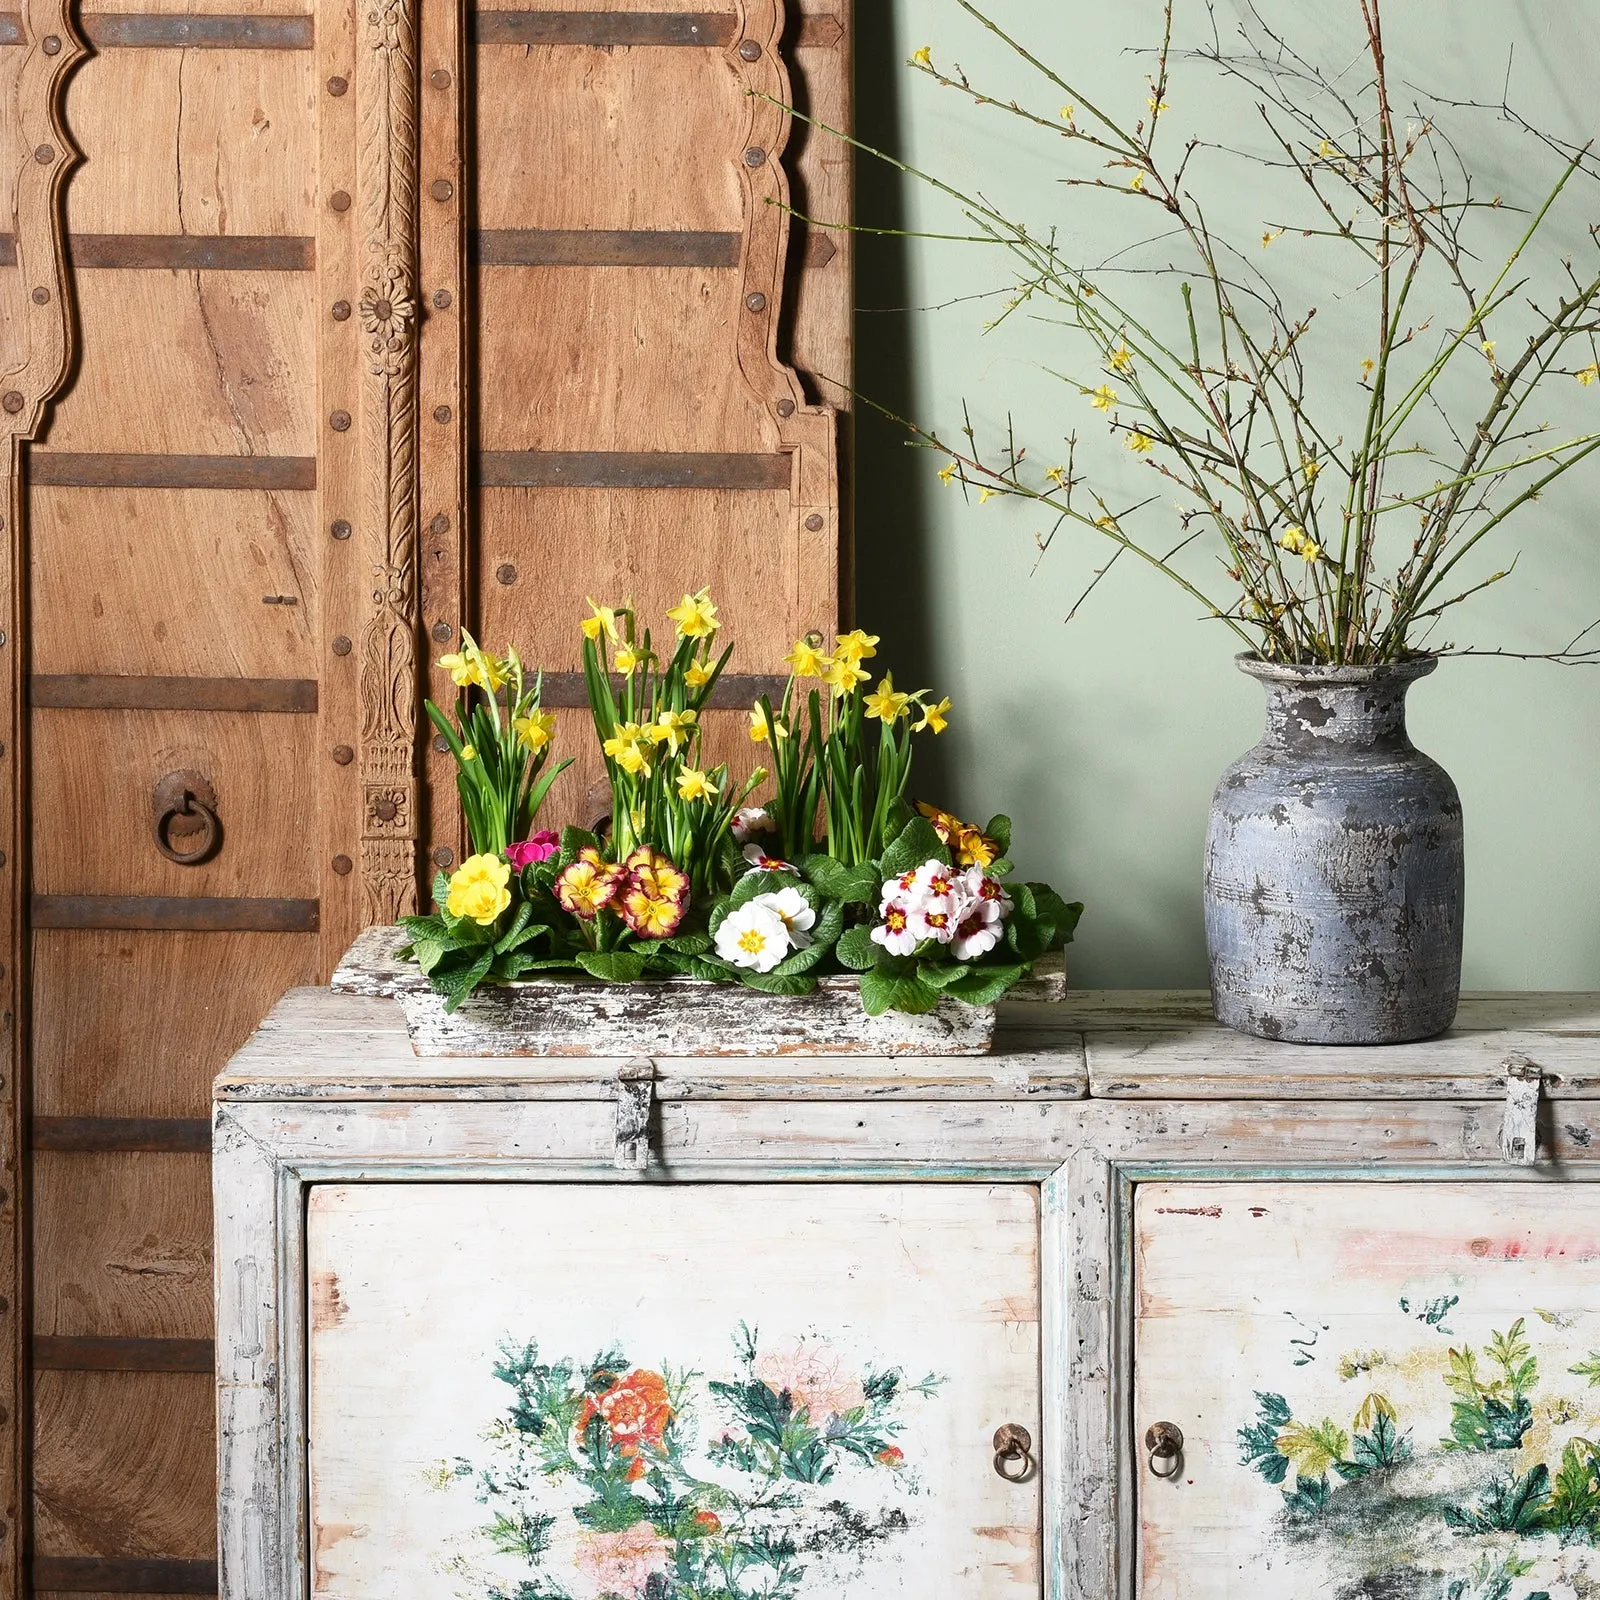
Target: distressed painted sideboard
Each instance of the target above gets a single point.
(1132, 1307)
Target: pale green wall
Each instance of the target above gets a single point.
(1105, 737)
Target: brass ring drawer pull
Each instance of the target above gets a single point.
(1013, 1453)
(1164, 1441)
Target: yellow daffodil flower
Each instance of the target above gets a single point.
(697, 674)
(630, 658)
(469, 752)
(844, 675)
(886, 703)
(535, 730)
(806, 661)
(934, 718)
(855, 647)
(758, 726)
(693, 784)
(604, 620)
(478, 889)
(695, 616)
(1588, 374)
(1121, 359)
(672, 728)
(626, 748)
(922, 57)
(1140, 442)
(1103, 398)
(472, 668)
(947, 472)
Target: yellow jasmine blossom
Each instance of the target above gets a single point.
(758, 726)
(604, 620)
(695, 615)
(986, 494)
(672, 728)
(1157, 106)
(1298, 542)
(934, 717)
(1057, 476)
(1142, 442)
(1103, 398)
(887, 703)
(478, 889)
(1137, 183)
(806, 661)
(1366, 367)
(1270, 235)
(536, 729)
(1105, 522)
(947, 472)
(1311, 467)
(1326, 151)
(1589, 374)
(844, 676)
(1122, 359)
(1488, 348)
(697, 674)
(1067, 113)
(693, 784)
(922, 57)
(855, 647)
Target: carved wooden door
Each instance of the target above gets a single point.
(329, 330)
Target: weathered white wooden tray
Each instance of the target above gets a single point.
(673, 1017)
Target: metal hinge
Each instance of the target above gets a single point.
(635, 1093)
(1519, 1132)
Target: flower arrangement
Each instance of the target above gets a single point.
(838, 872)
(608, 1480)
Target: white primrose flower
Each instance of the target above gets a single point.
(976, 884)
(936, 919)
(933, 880)
(894, 932)
(760, 861)
(978, 931)
(791, 909)
(753, 936)
(750, 821)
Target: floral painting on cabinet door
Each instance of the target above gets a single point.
(672, 1391)
(1416, 1414)
(773, 1481)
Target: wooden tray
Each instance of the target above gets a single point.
(670, 1017)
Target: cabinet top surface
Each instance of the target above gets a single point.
(1113, 1044)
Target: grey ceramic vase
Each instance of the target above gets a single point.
(1334, 875)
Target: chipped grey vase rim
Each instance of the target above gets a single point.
(1407, 671)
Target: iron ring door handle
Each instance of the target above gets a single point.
(1013, 1453)
(1164, 1442)
(186, 795)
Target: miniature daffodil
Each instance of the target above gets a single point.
(695, 616)
(693, 784)
(536, 729)
(934, 718)
(758, 727)
(806, 661)
(886, 703)
(855, 647)
(603, 620)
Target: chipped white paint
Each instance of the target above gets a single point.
(330, 1091)
(416, 1287)
(1519, 1133)
(561, 1016)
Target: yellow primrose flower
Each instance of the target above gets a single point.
(469, 752)
(1142, 442)
(478, 889)
(974, 848)
(922, 57)
(1103, 398)
(855, 647)
(758, 726)
(536, 729)
(844, 676)
(693, 784)
(603, 621)
(697, 674)
(672, 728)
(695, 615)
(1589, 374)
(947, 472)
(933, 718)
(887, 703)
(806, 661)
(1121, 359)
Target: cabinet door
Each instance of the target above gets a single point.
(1385, 1390)
(676, 1392)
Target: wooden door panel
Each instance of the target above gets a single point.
(122, 1242)
(148, 1035)
(553, 170)
(235, 141)
(231, 372)
(243, 556)
(94, 774)
(124, 1465)
(830, 1294)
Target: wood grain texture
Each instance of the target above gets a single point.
(124, 1465)
(94, 776)
(101, 1051)
(123, 1245)
(236, 154)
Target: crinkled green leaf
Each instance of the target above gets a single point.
(856, 886)
(762, 882)
(983, 985)
(941, 974)
(883, 991)
(915, 843)
(459, 984)
(857, 949)
(999, 829)
(687, 944)
(779, 982)
(613, 966)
